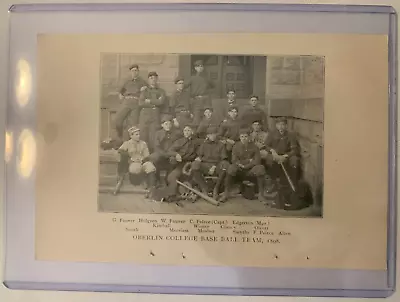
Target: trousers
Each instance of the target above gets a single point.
(292, 166)
(149, 123)
(129, 108)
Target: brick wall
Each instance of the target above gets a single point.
(295, 88)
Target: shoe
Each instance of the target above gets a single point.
(273, 205)
(223, 198)
(262, 199)
(225, 195)
(260, 182)
(179, 203)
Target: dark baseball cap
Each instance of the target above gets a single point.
(153, 74)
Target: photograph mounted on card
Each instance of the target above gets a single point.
(201, 149)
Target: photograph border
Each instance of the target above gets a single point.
(315, 203)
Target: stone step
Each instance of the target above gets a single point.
(108, 167)
(125, 189)
(108, 180)
(109, 156)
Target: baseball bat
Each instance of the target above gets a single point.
(288, 178)
(198, 193)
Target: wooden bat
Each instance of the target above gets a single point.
(288, 178)
(198, 193)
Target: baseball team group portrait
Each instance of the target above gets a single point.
(217, 134)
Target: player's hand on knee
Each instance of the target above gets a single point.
(263, 153)
(275, 155)
(212, 170)
(281, 159)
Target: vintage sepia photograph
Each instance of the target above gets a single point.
(216, 134)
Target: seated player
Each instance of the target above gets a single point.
(207, 121)
(282, 147)
(259, 137)
(182, 151)
(246, 161)
(134, 153)
(253, 112)
(211, 160)
(163, 140)
(229, 129)
(179, 104)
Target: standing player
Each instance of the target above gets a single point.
(151, 101)
(200, 88)
(129, 94)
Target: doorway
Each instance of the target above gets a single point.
(228, 72)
